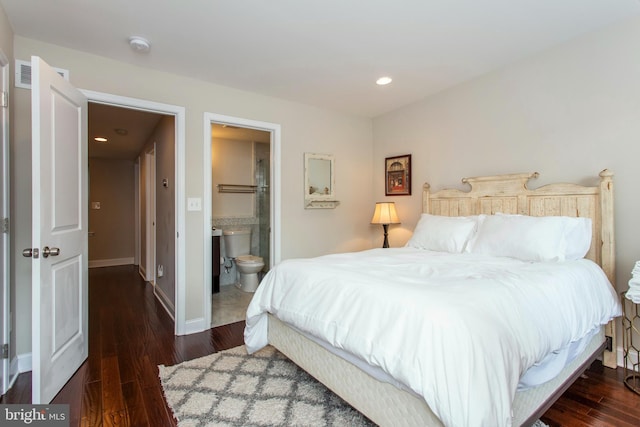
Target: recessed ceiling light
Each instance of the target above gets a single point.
(121, 131)
(100, 139)
(383, 81)
(139, 44)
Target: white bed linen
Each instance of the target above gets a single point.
(457, 329)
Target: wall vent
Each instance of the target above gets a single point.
(23, 74)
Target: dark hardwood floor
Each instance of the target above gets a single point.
(130, 334)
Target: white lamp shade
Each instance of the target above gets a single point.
(385, 213)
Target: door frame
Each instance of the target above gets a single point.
(150, 214)
(5, 251)
(180, 324)
(274, 191)
(136, 214)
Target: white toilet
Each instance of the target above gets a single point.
(237, 247)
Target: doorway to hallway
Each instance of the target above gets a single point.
(175, 182)
(126, 148)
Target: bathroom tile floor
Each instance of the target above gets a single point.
(229, 305)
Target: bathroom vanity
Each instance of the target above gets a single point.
(216, 233)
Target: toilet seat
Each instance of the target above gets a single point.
(249, 260)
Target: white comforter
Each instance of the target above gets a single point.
(458, 330)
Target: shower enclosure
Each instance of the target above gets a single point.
(263, 201)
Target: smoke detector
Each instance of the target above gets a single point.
(139, 44)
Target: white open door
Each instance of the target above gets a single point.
(59, 231)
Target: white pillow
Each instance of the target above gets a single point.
(547, 238)
(577, 236)
(442, 233)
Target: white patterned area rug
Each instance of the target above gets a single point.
(539, 424)
(231, 388)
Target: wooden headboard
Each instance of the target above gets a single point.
(509, 194)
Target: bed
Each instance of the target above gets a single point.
(469, 359)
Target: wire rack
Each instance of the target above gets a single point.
(236, 188)
(631, 343)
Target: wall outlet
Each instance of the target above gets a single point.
(160, 270)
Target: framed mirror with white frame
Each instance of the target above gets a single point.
(319, 181)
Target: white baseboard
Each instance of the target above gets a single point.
(19, 364)
(23, 362)
(110, 262)
(166, 302)
(13, 372)
(632, 356)
(195, 325)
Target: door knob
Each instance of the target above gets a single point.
(28, 253)
(46, 251)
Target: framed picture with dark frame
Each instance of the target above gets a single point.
(397, 174)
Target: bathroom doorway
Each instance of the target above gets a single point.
(241, 157)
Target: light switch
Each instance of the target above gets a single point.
(95, 205)
(194, 204)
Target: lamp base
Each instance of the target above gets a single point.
(386, 234)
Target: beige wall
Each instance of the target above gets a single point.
(111, 182)
(231, 163)
(304, 128)
(567, 113)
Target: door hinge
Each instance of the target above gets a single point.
(5, 225)
(5, 351)
(5, 99)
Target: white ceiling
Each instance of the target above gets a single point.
(326, 53)
(126, 131)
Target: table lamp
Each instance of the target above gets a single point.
(385, 214)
